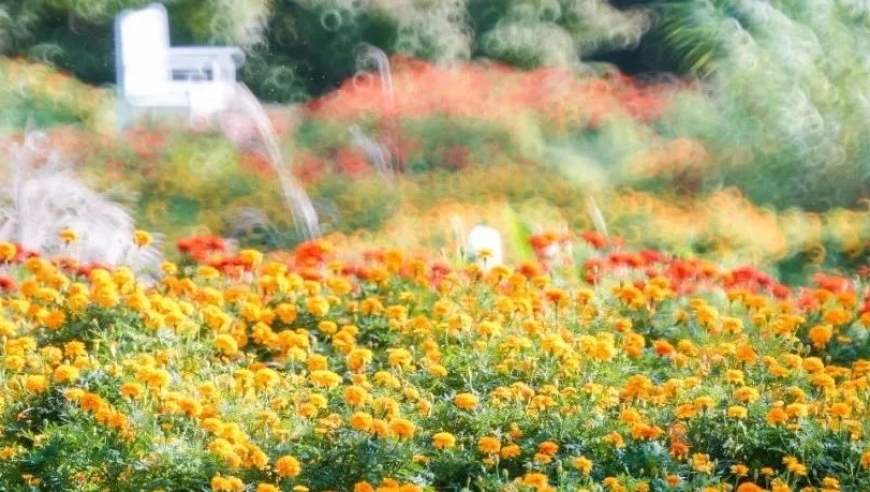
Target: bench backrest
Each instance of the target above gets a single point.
(142, 50)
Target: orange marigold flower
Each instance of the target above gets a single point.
(489, 445)
(465, 401)
(749, 487)
(288, 466)
(776, 416)
(443, 440)
(35, 383)
(361, 421)
(356, 395)
(537, 481)
(549, 448)
(510, 451)
(402, 428)
(820, 335)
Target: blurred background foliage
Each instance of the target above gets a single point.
(660, 109)
(303, 48)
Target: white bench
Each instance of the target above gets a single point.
(199, 81)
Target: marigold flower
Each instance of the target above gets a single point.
(142, 238)
(363, 487)
(737, 412)
(776, 416)
(537, 481)
(749, 486)
(356, 395)
(465, 401)
(615, 439)
(443, 440)
(226, 344)
(489, 445)
(35, 383)
(227, 484)
(8, 251)
(820, 335)
(324, 378)
(67, 235)
(65, 373)
(288, 466)
(510, 451)
(402, 428)
(583, 464)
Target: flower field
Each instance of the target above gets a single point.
(684, 303)
(334, 369)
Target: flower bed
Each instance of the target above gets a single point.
(325, 369)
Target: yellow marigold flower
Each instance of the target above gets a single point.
(142, 238)
(318, 306)
(865, 459)
(227, 484)
(402, 428)
(324, 378)
(831, 483)
(701, 463)
(266, 487)
(358, 358)
(734, 376)
(266, 378)
(465, 401)
(250, 257)
(615, 439)
(443, 440)
(399, 357)
(65, 373)
(436, 370)
(794, 466)
(737, 412)
(739, 469)
(583, 464)
(489, 445)
(226, 344)
(67, 235)
(190, 407)
(132, 390)
(361, 421)
(288, 466)
(35, 383)
(8, 251)
(746, 393)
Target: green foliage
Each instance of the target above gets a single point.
(299, 49)
(786, 84)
